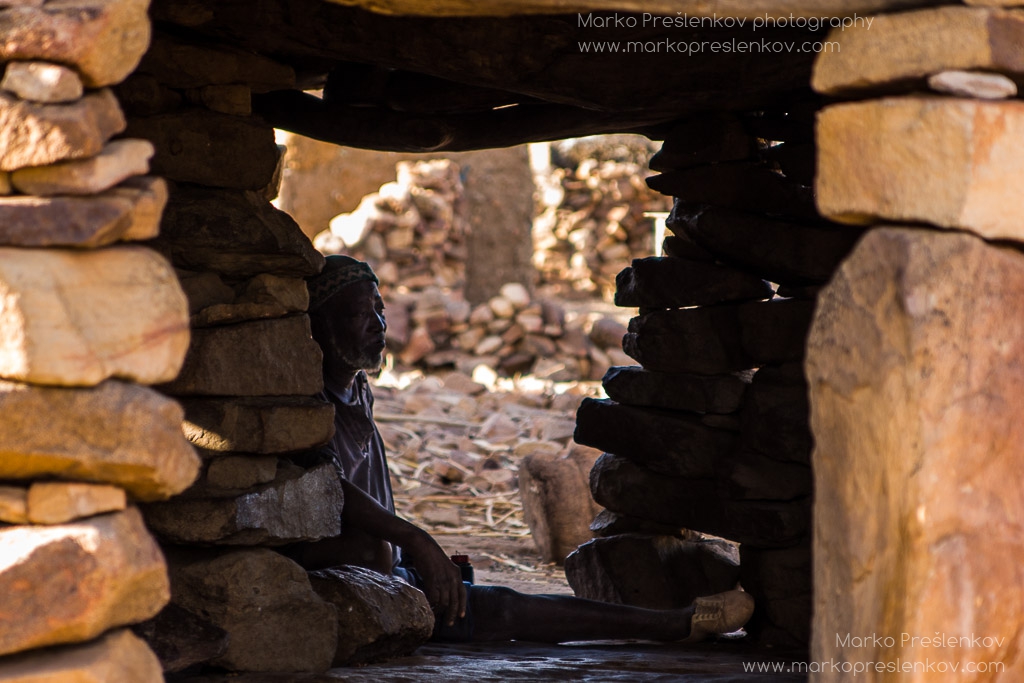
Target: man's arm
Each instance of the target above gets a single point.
(441, 577)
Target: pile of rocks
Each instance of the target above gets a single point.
(592, 219)
(511, 333)
(248, 386)
(711, 434)
(412, 231)
(85, 322)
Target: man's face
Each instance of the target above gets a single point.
(354, 325)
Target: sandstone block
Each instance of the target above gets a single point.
(125, 435)
(42, 82)
(909, 46)
(56, 502)
(625, 487)
(656, 572)
(913, 365)
(720, 339)
(262, 358)
(282, 424)
(299, 505)
(379, 617)
(740, 185)
(557, 505)
(72, 582)
(673, 283)
(130, 211)
(181, 639)
(183, 65)
(40, 134)
(234, 99)
(114, 657)
(781, 251)
(117, 161)
(237, 234)
(635, 386)
(274, 620)
(209, 148)
(664, 441)
(950, 162)
(102, 39)
(75, 318)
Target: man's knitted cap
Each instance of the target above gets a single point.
(338, 271)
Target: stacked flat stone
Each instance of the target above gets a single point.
(914, 353)
(711, 432)
(86, 319)
(249, 380)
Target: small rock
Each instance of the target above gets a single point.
(118, 160)
(57, 502)
(985, 86)
(42, 82)
(379, 616)
(516, 294)
(501, 307)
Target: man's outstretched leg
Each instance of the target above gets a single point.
(501, 613)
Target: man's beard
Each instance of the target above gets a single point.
(365, 360)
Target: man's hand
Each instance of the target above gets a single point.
(442, 579)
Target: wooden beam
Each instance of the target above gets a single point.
(387, 130)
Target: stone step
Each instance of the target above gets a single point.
(950, 162)
(235, 233)
(780, 251)
(635, 386)
(107, 571)
(672, 443)
(668, 282)
(720, 339)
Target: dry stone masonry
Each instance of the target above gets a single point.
(711, 433)
(85, 322)
(914, 353)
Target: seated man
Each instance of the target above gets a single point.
(347, 317)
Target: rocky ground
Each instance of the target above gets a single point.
(454, 446)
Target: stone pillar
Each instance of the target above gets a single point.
(250, 375)
(86, 319)
(914, 355)
(711, 433)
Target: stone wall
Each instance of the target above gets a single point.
(914, 354)
(88, 318)
(711, 433)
